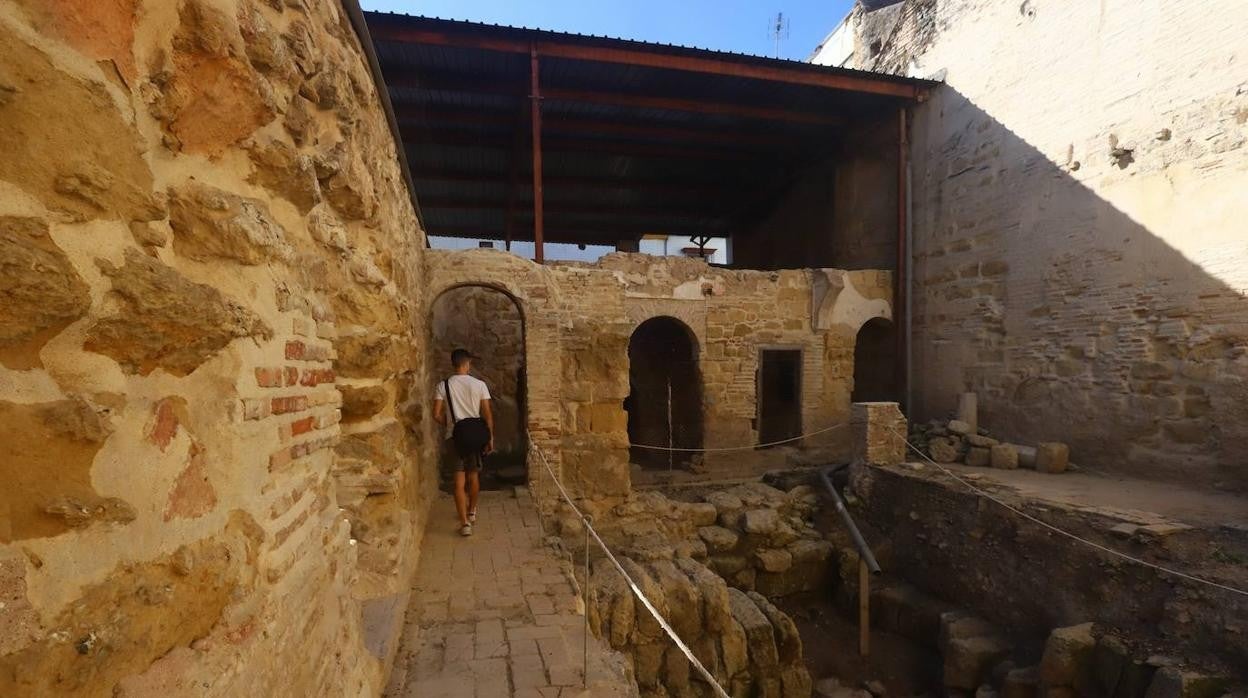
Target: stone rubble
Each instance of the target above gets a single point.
(956, 441)
(709, 566)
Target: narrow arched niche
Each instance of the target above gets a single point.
(489, 323)
(875, 362)
(665, 398)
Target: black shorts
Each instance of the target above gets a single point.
(467, 463)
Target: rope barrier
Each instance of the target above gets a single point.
(585, 520)
(740, 448)
(1064, 532)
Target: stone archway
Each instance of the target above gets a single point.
(489, 323)
(875, 365)
(531, 289)
(665, 398)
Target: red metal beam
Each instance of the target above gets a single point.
(565, 144)
(664, 186)
(583, 126)
(535, 98)
(696, 106)
(615, 210)
(900, 326)
(653, 58)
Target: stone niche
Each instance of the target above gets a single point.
(488, 323)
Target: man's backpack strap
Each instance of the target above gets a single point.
(450, 405)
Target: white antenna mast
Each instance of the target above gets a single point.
(778, 29)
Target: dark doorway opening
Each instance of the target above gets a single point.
(665, 398)
(779, 395)
(875, 366)
(489, 323)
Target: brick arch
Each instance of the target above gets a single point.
(534, 292)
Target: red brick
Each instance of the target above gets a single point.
(315, 376)
(302, 426)
(269, 376)
(292, 375)
(295, 403)
(295, 349)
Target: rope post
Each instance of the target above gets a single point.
(588, 520)
(864, 608)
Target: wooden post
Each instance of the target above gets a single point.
(536, 111)
(864, 608)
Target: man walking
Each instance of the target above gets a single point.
(467, 402)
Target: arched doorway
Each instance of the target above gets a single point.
(489, 323)
(875, 365)
(665, 397)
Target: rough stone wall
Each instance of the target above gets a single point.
(209, 262)
(579, 318)
(1079, 226)
(488, 323)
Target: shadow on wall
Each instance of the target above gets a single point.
(1070, 318)
(488, 323)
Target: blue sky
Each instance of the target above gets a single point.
(725, 25)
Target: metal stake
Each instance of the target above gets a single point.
(585, 593)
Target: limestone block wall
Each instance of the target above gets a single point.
(1079, 233)
(209, 264)
(579, 318)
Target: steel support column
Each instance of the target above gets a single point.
(535, 98)
(900, 320)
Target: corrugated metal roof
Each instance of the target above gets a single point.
(632, 142)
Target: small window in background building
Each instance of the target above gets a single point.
(489, 244)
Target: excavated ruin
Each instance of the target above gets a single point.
(981, 321)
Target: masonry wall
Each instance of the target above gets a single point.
(1079, 224)
(209, 264)
(580, 317)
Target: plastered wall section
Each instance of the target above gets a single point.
(1079, 224)
(579, 319)
(208, 260)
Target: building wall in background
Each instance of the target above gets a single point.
(1079, 224)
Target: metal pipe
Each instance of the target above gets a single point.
(900, 297)
(585, 593)
(864, 551)
(536, 111)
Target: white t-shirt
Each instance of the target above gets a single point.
(466, 396)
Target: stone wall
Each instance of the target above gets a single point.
(579, 318)
(1079, 243)
(209, 267)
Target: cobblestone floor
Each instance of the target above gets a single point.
(496, 614)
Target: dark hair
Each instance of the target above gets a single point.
(459, 357)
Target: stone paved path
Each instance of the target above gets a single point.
(496, 614)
